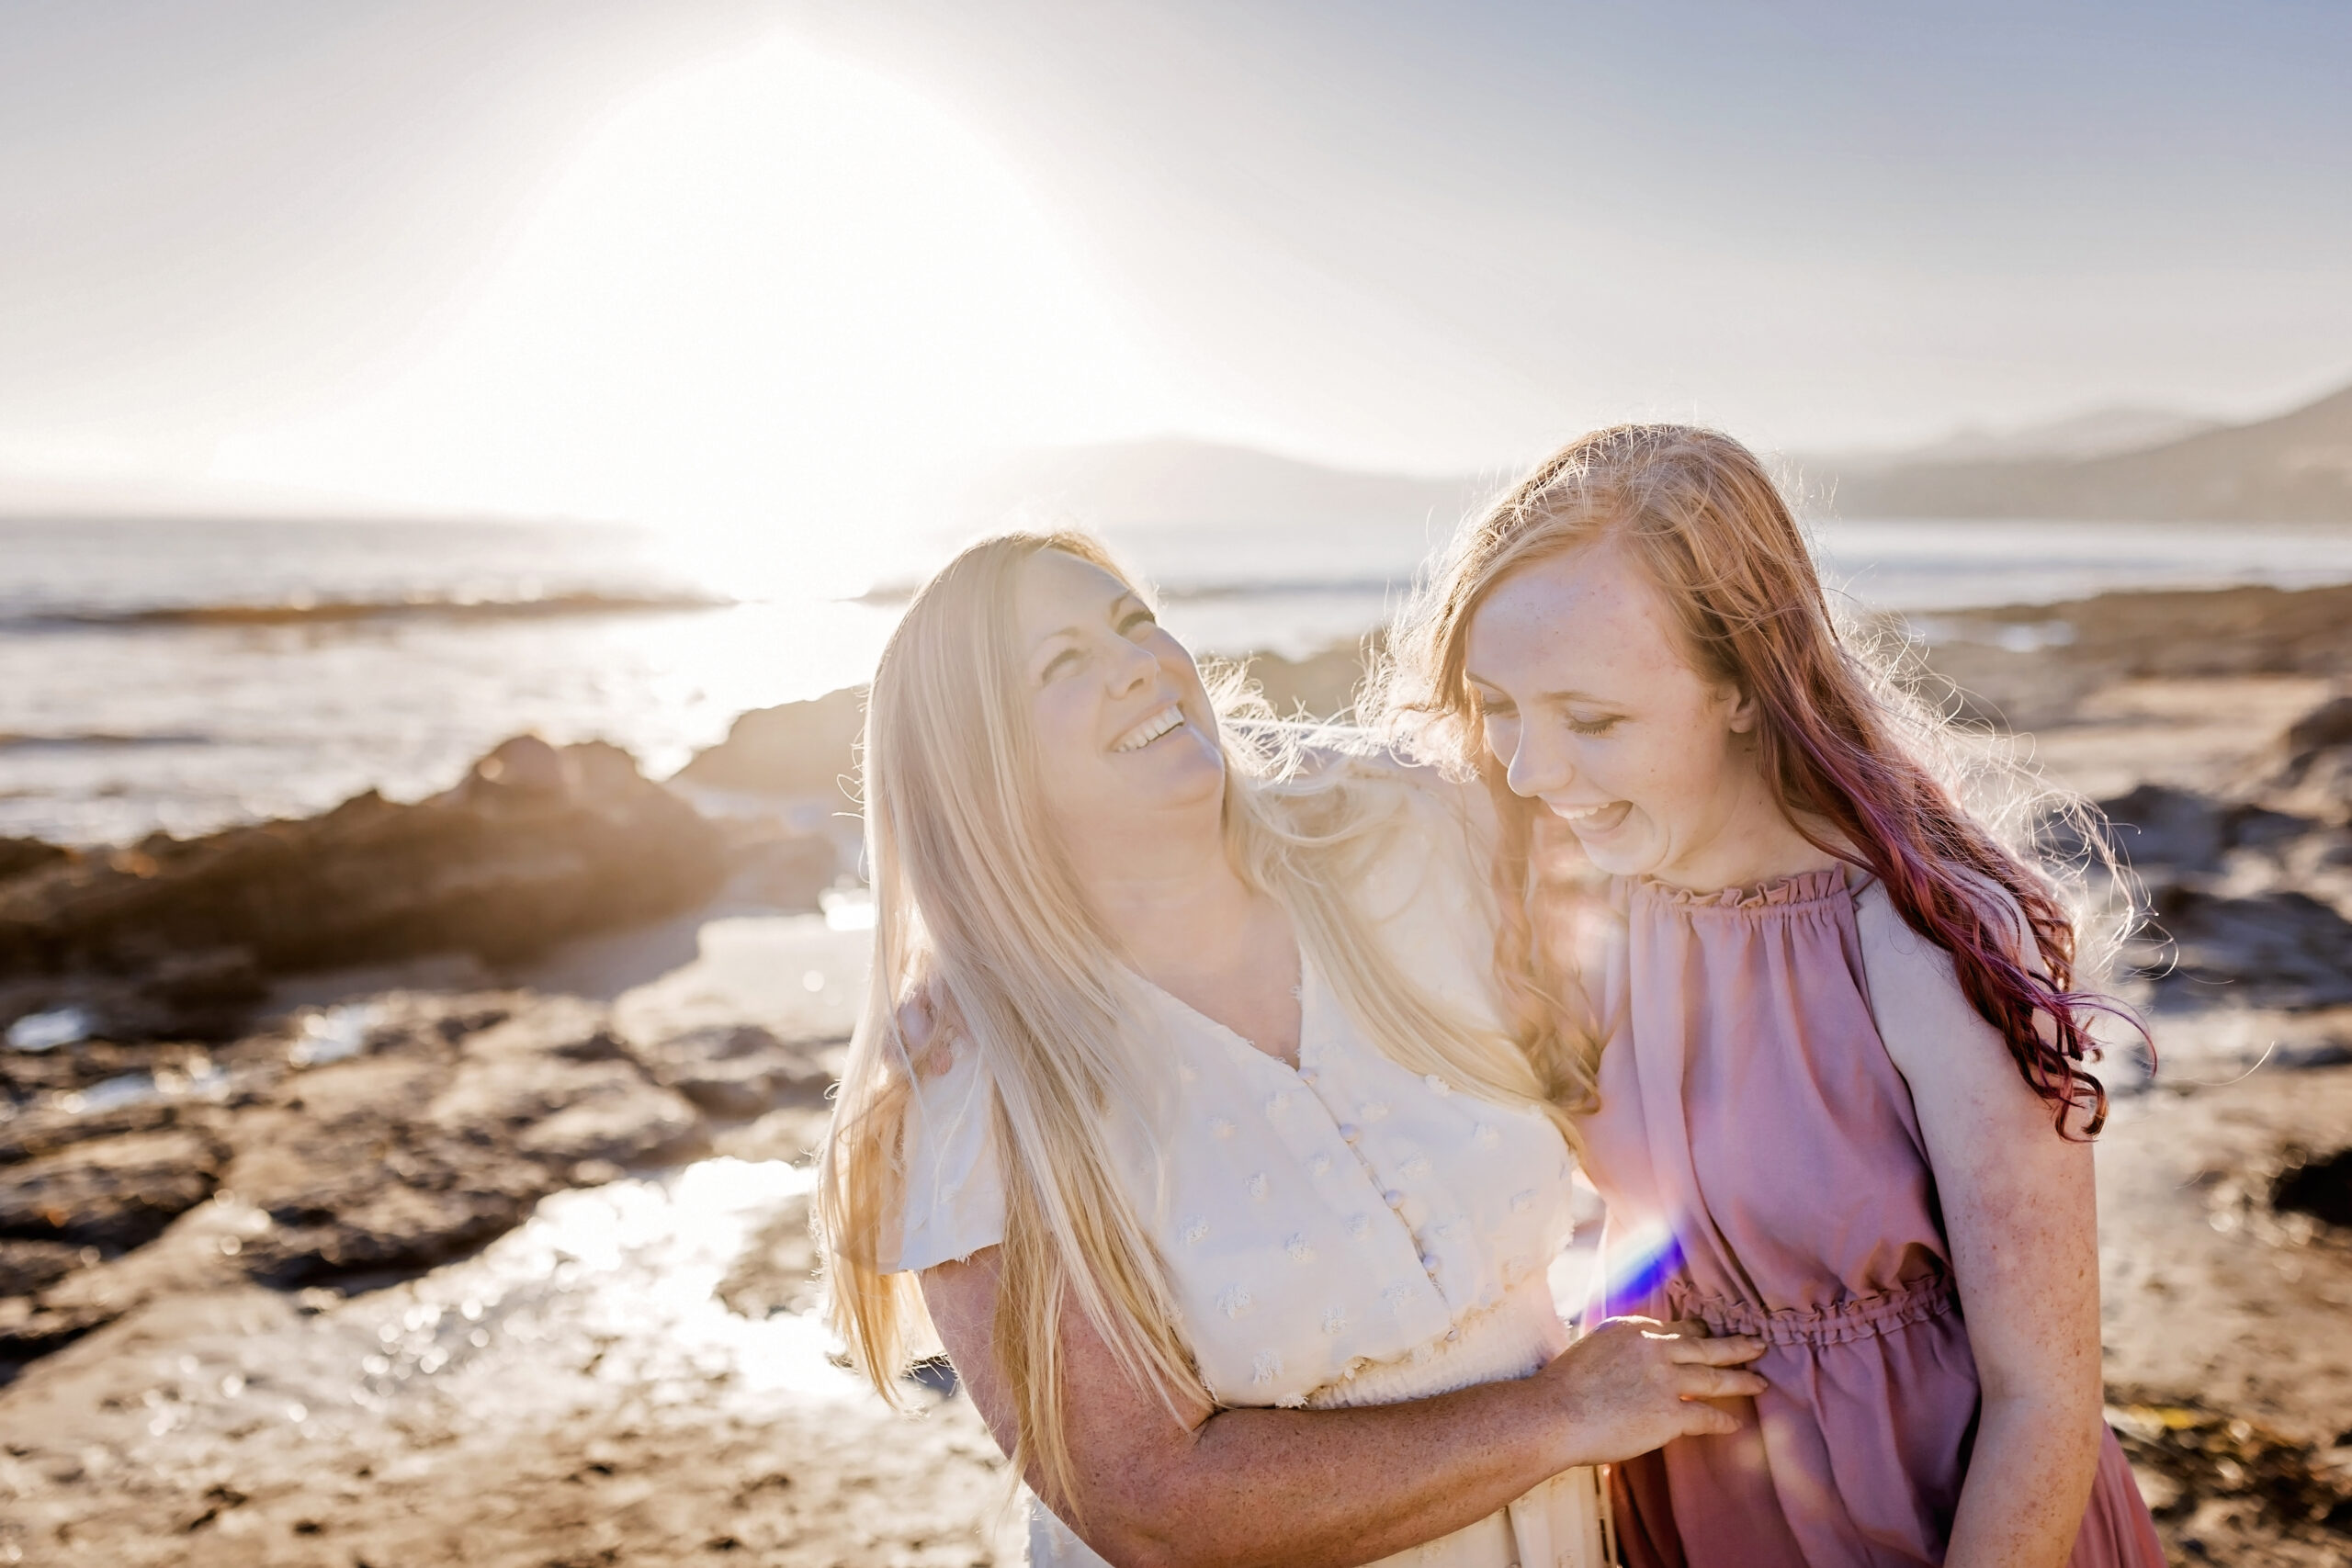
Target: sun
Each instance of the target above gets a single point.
(764, 302)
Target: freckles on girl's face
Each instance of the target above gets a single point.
(1588, 699)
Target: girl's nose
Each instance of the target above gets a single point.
(1534, 769)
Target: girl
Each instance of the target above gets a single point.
(1834, 1090)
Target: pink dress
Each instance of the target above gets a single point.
(1764, 1172)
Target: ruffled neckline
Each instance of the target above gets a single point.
(1804, 888)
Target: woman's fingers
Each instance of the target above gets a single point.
(1704, 1420)
(1717, 1382)
(1725, 1352)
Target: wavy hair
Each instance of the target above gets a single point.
(1862, 768)
(979, 914)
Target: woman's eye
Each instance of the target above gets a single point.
(1593, 726)
(1060, 664)
(1134, 618)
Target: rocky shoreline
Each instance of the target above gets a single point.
(279, 1103)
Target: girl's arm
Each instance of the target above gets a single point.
(1325, 1489)
(2020, 1210)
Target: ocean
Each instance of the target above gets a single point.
(184, 675)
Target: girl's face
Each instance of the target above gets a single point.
(1123, 728)
(1590, 702)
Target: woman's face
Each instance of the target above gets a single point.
(1123, 728)
(1590, 702)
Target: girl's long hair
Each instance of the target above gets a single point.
(1867, 772)
(979, 914)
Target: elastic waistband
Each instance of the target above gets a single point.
(1857, 1317)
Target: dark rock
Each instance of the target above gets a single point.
(2279, 949)
(2180, 832)
(2318, 1185)
(28, 1267)
(737, 1072)
(2158, 825)
(110, 1192)
(537, 845)
(20, 855)
(30, 1328)
(2313, 762)
(442, 1136)
(795, 749)
(2206, 1454)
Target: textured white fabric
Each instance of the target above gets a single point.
(1349, 1232)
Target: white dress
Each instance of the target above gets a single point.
(1346, 1234)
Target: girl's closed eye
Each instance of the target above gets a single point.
(1595, 726)
(1139, 616)
(1059, 665)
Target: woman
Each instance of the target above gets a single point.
(1179, 1091)
(1834, 1088)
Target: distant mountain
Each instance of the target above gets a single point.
(2097, 433)
(1143, 486)
(2296, 467)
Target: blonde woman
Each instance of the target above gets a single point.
(1182, 1110)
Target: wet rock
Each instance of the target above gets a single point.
(538, 844)
(737, 1071)
(795, 749)
(443, 1134)
(110, 1192)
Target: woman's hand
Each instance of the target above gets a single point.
(1634, 1383)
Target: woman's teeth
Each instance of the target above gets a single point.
(1151, 730)
(1574, 815)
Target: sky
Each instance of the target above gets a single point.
(712, 261)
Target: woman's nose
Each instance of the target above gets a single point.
(1130, 666)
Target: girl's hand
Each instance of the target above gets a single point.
(1634, 1383)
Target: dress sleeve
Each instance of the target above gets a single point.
(954, 1200)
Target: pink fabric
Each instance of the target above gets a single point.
(1764, 1172)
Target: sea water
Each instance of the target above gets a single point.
(183, 675)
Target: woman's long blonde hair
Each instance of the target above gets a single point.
(1868, 772)
(978, 913)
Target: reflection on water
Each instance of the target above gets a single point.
(616, 1283)
(605, 1290)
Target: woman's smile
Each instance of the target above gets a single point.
(1165, 722)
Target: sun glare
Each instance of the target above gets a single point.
(766, 300)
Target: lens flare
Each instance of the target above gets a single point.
(1636, 1260)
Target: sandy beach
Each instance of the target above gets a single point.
(424, 1184)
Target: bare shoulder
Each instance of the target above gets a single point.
(1946, 1050)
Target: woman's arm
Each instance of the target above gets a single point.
(1326, 1489)
(2020, 1210)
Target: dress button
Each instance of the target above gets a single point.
(1428, 1261)
(1394, 1199)
(1452, 1336)
(1350, 1131)
(1308, 1076)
